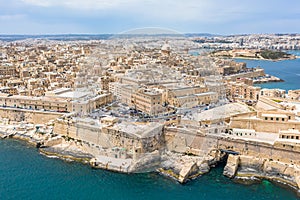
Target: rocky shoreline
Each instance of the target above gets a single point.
(253, 54)
(249, 168)
(243, 169)
(176, 165)
(272, 79)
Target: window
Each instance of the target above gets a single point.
(289, 117)
(266, 118)
(277, 119)
(272, 118)
(297, 137)
(282, 119)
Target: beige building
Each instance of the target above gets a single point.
(104, 82)
(272, 121)
(8, 70)
(35, 103)
(272, 92)
(242, 91)
(148, 101)
(123, 92)
(294, 94)
(60, 102)
(188, 97)
(9, 90)
(292, 134)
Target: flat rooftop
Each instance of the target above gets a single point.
(140, 130)
(220, 112)
(74, 95)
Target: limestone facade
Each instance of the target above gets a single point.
(266, 121)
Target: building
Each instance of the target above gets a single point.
(280, 93)
(294, 94)
(292, 134)
(242, 91)
(272, 121)
(189, 96)
(61, 101)
(104, 82)
(148, 101)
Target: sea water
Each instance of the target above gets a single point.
(26, 174)
(287, 70)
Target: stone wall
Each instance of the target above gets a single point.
(245, 166)
(106, 136)
(178, 140)
(253, 74)
(31, 116)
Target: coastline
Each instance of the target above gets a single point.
(248, 169)
(240, 176)
(181, 167)
(64, 156)
(272, 79)
(264, 59)
(71, 151)
(250, 177)
(251, 55)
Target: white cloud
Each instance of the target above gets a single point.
(175, 12)
(81, 4)
(43, 3)
(11, 17)
(181, 10)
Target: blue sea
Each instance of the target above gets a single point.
(287, 70)
(26, 174)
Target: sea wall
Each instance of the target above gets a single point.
(257, 73)
(249, 167)
(108, 137)
(183, 141)
(280, 161)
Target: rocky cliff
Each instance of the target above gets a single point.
(231, 166)
(244, 166)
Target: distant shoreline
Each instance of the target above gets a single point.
(253, 54)
(264, 59)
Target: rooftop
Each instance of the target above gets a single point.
(139, 130)
(220, 112)
(74, 94)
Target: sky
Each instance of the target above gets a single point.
(116, 16)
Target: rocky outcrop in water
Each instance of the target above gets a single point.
(231, 166)
(249, 167)
(185, 167)
(148, 162)
(187, 170)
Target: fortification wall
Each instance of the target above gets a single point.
(31, 116)
(205, 143)
(254, 74)
(106, 137)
